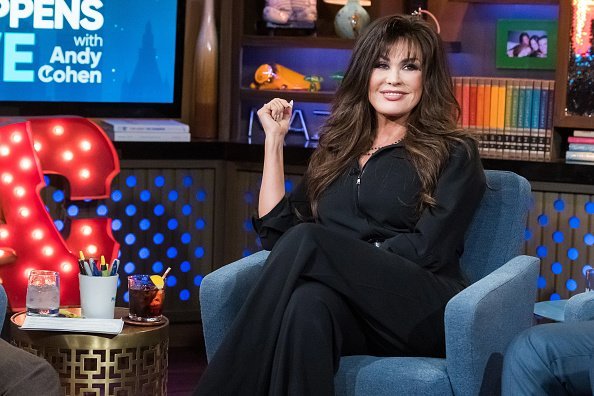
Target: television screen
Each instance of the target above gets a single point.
(91, 57)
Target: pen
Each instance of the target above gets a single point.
(94, 268)
(88, 270)
(103, 266)
(81, 262)
(114, 267)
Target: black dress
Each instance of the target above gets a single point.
(327, 290)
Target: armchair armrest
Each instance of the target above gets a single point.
(222, 294)
(482, 319)
(579, 308)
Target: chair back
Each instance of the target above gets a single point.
(496, 233)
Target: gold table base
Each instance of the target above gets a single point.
(133, 362)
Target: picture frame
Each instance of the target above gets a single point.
(526, 44)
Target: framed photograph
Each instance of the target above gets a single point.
(526, 44)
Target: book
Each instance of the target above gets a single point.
(486, 135)
(579, 155)
(465, 102)
(581, 147)
(548, 145)
(582, 140)
(583, 133)
(143, 125)
(149, 137)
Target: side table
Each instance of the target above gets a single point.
(133, 362)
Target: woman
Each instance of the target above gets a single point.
(364, 253)
(522, 48)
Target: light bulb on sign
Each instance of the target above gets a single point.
(92, 250)
(7, 178)
(47, 250)
(67, 155)
(26, 163)
(37, 234)
(58, 130)
(16, 137)
(85, 145)
(19, 191)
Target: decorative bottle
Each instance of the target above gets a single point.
(205, 84)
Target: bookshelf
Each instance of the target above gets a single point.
(246, 45)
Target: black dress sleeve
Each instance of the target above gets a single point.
(291, 210)
(438, 237)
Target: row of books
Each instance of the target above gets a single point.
(512, 117)
(145, 130)
(581, 148)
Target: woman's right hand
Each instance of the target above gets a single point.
(275, 116)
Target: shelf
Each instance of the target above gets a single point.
(297, 42)
(318, 42)
(297, 154)
(298, 96)
(508, 1)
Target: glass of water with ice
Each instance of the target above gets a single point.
(43, 293)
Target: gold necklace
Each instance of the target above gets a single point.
(374, 149)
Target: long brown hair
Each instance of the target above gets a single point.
(352, 125)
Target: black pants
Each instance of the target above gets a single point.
(321, 296)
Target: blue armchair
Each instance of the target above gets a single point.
(480, 321)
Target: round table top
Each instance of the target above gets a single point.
(18, 318)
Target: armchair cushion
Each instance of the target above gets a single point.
(370, 376)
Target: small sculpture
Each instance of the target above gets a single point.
(286, 11)
(275, 76)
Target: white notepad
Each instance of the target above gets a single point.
(82, 325)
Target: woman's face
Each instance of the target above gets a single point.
(533, 44)
(396, 83)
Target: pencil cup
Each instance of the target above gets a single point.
(98, 296)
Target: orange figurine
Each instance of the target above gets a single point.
(275, 76)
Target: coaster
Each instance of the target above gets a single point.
(129, 321)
